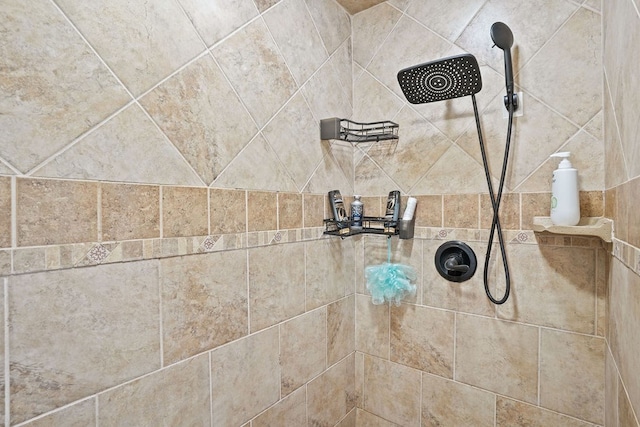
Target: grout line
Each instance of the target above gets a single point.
(14, 213)
(539, 361)
(160, 329)
(97, 408)
(99, 212)
(455, 343)
(160, 210)
(210, 388)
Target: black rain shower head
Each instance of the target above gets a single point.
(440, 80)
(503, 38)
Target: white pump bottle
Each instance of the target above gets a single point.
(565, 199)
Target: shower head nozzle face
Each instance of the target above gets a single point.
(440, 80)
(501, 35)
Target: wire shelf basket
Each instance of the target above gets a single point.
(348, 130)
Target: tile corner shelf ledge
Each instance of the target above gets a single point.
(347, 130)
(588, 226)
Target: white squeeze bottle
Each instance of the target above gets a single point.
(565, 199)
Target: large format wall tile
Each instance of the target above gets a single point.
(245, 378)
(572, 374)
(204, 302)
(332, 22)
(372, 327)
(497, 356)
(327, 281)
(257, 71)
(290, 411)
(510, 412)
(81, 414)
(446, 402)
(142, 43)
(53, 86)
(94, 328)
(331, 395)
(303, 349)
(552, 286)
(127, 148)
(203, 117)
(178, 395)
(216, 19)
(340, 329)
(276, 284)
(392, 391)
(297, 37)
(422, 338)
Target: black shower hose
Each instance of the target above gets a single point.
(495, 203)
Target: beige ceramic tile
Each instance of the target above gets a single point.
(591, 203)
(56, 212)
(216, 19)
(610, 203)
(408, 158)
(73, 345)
(445, 18)
(370, 179)
(577, 51)
(626, 416)
(611, 390)
(572, 375)
(392, 391)
(5, 212)
(372, 327)
(158, 38)
(130, 211)
(350, 420)
(262, 211)
(257, 167)
(461, 210)
(534, 204)
(498, 356)
(320, 90)
(342, 61)
(367, 419)
(552, 286)
(447, 402)
(228, 211)
(356, 6)
(127, 148)
(201, 310)
(313, 210)
(81, 414)
(265, 4)
(509, 211)
(296, 35)
(202, 116)
(184, 211)
(469, 176)
(293, 134)
(429, 211)
(603, 260)
(510, 413)
(329, 270)
(634, 207)
(332, 22)
(276, 284)
(373, 101)
(422, 338)
(178, 395)
(622, 209)
(340, 329)
(3, 349)
(245, 378)
(289, 211)
(54, 88)
(331, 395)
(303, 349)
(624, 315)
(256, 69)
(290, 411)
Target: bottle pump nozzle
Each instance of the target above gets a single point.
(564, 163)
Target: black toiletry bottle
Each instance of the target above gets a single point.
(393, 211)
(337, 208)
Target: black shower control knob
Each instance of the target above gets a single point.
(455, 261)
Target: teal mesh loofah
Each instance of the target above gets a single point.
(390, 282)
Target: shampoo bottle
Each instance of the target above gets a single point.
(565, 199)
(357, 211)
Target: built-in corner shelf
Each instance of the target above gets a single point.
(347, 130)
(588, 226)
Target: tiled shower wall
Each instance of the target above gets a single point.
(162, 191)
(198, 124)
(449, 356)
(621, 25)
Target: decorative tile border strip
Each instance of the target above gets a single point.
(56, 257)
(628, 254)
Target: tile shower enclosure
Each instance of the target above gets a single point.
(163, 185)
